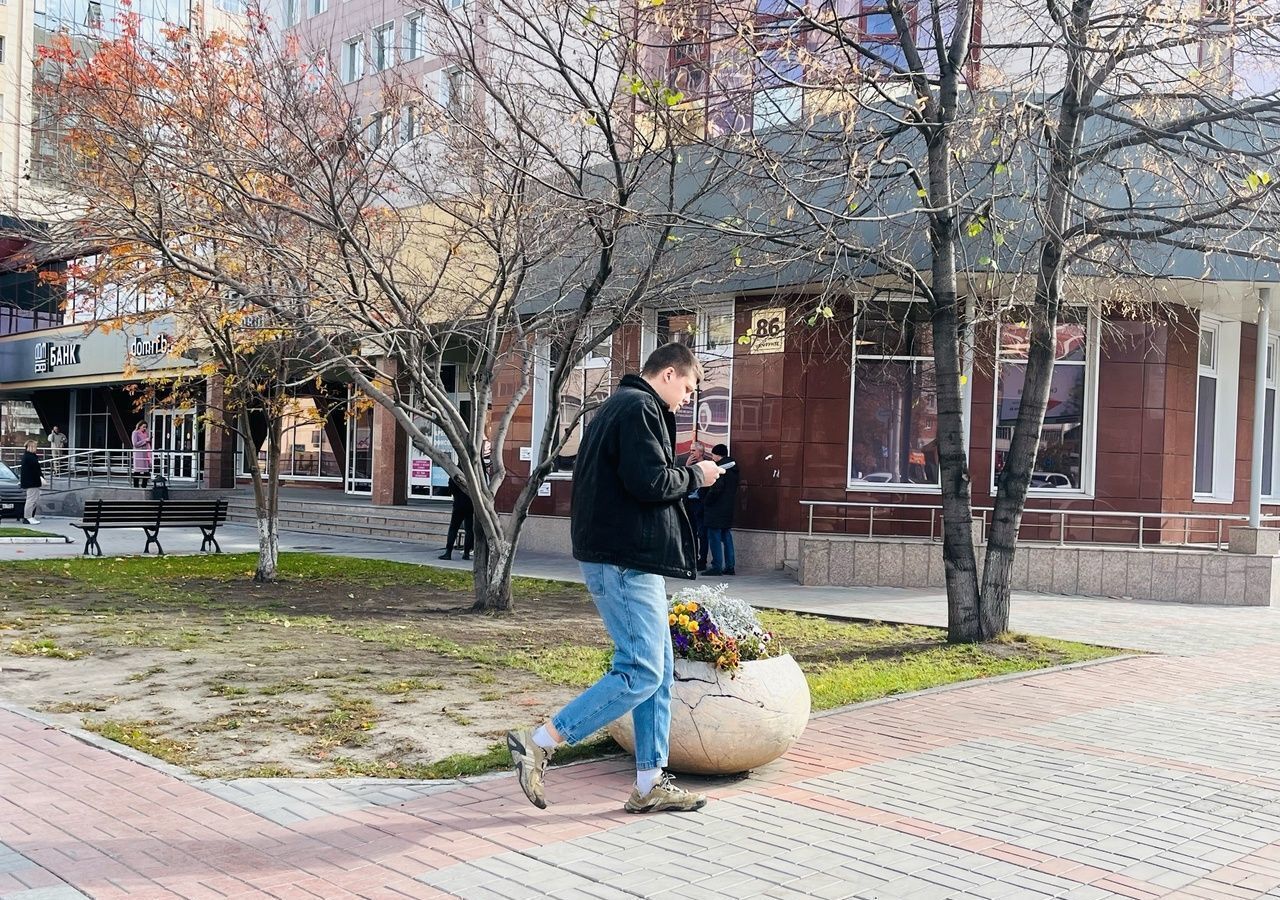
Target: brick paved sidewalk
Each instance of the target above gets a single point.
(1152, 776)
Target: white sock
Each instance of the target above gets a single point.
(543, 739)
(646, 779)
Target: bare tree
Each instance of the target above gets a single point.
(991, 168)
(519, 209)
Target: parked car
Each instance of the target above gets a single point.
(1051, 480)
(12, 496)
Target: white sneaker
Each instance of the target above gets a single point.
(33, 521)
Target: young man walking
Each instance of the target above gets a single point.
(630, 529)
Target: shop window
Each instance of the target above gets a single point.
(1217, 374)
(709, 332)
(587, 386)
(1064, 455)
(894, 430)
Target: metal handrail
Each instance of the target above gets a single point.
(1061, 515)
(82, 466)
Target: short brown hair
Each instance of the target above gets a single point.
(674, 355)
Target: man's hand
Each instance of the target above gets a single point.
(710, 472)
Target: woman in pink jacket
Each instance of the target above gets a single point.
(141, 455)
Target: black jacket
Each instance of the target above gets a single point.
(721, 498)
(628, 490)
(31, 474)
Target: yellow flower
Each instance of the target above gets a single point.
(671, 619)
(719, 660)
(693, 607)
(684, 620)
(693, 627)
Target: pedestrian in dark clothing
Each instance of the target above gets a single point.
(463, 515)
(32, 479)
(629, 529)
(717, 510)
(693, 506)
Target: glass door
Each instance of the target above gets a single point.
(426, 479)
(173, 440)
(359, 471)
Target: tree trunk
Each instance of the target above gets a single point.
(959, 560)
(960, 563)
(1015, 480)
(266, 502)
(493, 561)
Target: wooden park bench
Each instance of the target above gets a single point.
(151, 516)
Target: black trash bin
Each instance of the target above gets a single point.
(159, 488)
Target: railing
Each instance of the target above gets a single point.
(73, 467)
(1060, 526)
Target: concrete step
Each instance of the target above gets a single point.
(414, 524)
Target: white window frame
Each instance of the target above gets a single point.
(1272, 395)
(1226, 369)
(705, 310)
(1089, 453)
(384, 46)
(412, 36)
(317, 8)
(851, 484)
(292, 12)
(447, 99)
(353, 64)
(599, 357)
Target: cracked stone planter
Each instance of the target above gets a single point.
(722, 725)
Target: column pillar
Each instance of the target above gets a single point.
(390, 448)
(219, 443)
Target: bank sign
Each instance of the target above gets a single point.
(73, 353)
(50, 355)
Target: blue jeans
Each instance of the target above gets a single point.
(721, 541)
(634, 608)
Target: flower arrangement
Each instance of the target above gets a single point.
(707, 626)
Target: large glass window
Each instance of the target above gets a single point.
(1206, 409)
(1062, 453)
(306, 451)
(710, 333)
(588, 385)
(894, 435)
(1269, 423)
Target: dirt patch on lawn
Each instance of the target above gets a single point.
(298, 677)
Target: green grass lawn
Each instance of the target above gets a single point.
(19, 531)
(354, 642)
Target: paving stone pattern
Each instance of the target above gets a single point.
(1149, 776)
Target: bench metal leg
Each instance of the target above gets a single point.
(153, 537)
(91, 547)
(209, 539)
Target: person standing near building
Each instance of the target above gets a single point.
(57, 447)
(141, 455)
(693, 506)
(463, 515)
(32, 479)
(629, 529)
(464, 509)
(717, 510)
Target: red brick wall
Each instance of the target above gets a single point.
(790, 428)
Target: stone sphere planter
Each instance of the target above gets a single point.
(722, 725)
